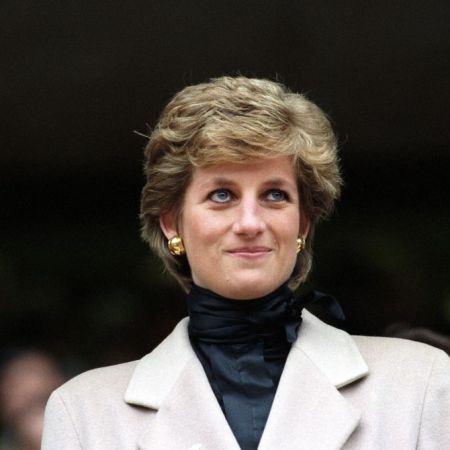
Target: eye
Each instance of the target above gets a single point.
(220, 196)
(275, 195)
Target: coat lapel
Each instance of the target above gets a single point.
(308, 410)
(172, 381)
(190, 417)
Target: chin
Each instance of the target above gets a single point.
(248, 288)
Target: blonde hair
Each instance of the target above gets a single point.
(235, 119)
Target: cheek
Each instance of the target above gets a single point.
(289, 227)
(202, 238)
(202, 244)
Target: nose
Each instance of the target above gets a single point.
(249, 219)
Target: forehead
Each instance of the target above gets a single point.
(255, 170)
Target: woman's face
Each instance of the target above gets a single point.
(239, 225)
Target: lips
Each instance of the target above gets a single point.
(253, 250)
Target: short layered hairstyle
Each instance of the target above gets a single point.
(237, 119)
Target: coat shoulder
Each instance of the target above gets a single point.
(405, 397)
(89, 411)
(399, 351)
(104, 381)
(401, 364)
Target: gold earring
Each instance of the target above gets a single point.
(176, 246)
(301, 243)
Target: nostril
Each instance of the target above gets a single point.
(249, 226)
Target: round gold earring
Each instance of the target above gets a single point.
(176, 246)
(301, 243)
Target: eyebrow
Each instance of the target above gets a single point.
(222, 181)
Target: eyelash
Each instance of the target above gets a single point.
(284, 194)
(279, 191)
(218, 191)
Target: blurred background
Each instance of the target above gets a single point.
(78, 78)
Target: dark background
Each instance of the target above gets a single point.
(78, 77)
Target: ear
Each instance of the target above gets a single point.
(168, 223)
(305, 225)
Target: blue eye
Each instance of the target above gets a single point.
(220, 196)
(276, 195)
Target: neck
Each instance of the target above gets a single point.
(218, 319)
(201, 292)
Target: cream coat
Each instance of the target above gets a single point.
(336, 392)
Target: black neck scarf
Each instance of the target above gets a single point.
(243, 346)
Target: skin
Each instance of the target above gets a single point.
(239, 225)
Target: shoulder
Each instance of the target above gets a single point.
(108, 379)
(400, 365)
(399, 354)
(89, 411)
(408, 382)
(407, 375)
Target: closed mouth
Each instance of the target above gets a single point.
(255, 251)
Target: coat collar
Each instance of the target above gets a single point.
(157, 372)
(331, 350)
(308, 410)
(322, 360)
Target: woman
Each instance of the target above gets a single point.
(239, 172)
